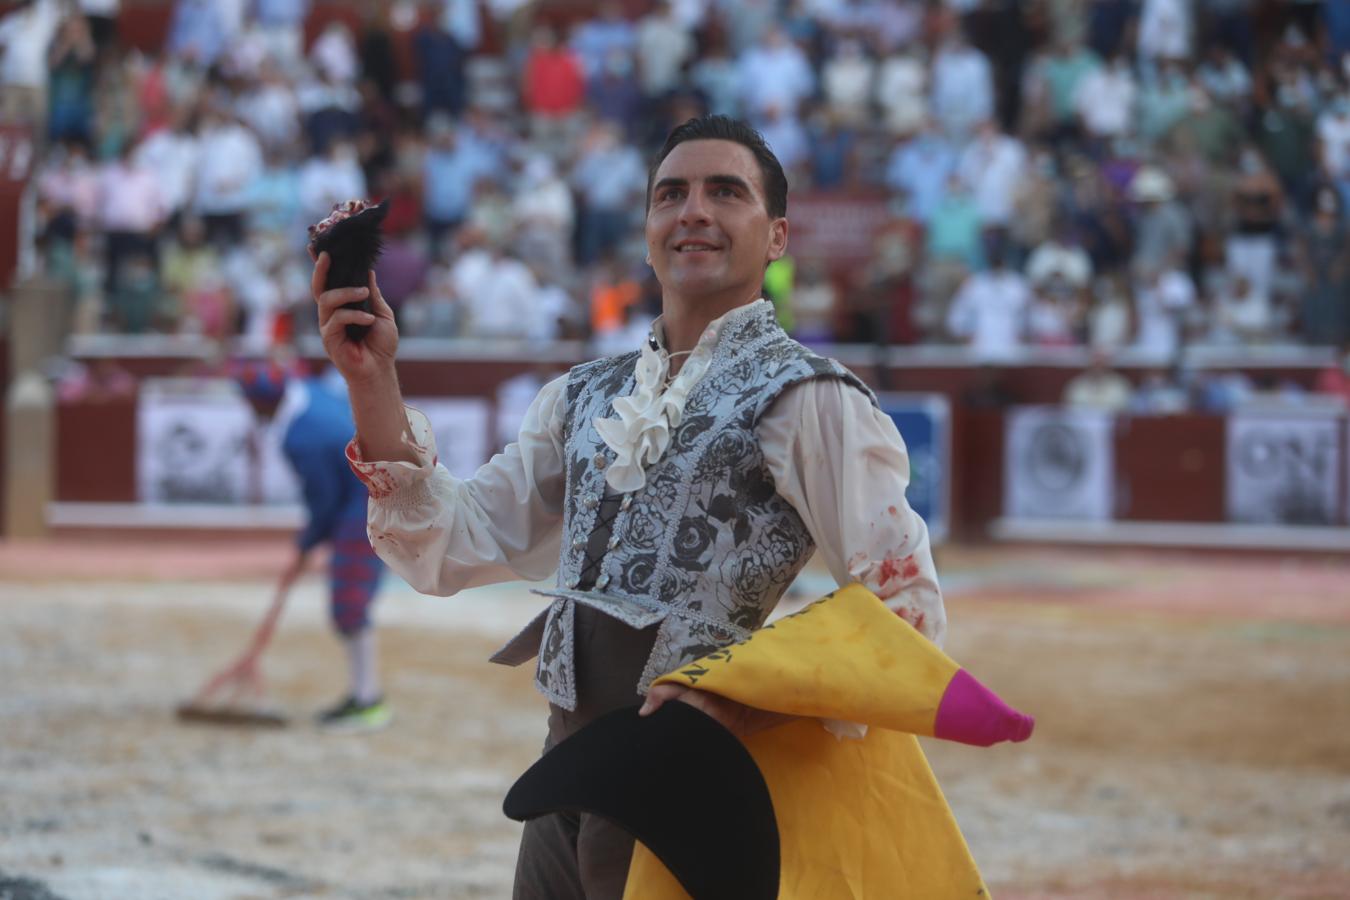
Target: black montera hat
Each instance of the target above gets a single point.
(678, 782)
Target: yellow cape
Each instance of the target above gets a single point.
(857, 819)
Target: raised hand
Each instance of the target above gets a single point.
(370, 359)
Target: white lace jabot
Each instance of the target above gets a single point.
(641, 429)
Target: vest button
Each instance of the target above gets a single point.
(579, 544)
(613, 542)
(600, 461)
(626, 502)
(590, 501)
(602, 582)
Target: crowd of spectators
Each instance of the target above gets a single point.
(1116, 174)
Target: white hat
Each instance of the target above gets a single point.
(1151, 185)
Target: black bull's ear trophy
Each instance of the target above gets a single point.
(351, 236)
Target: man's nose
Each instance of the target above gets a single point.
(694, 210)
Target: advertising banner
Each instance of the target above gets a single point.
(924, 421)
(198, 441)
(1059, 464)
(1284, 468)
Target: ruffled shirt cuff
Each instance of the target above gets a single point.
(398, 484)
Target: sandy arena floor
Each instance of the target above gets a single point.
(1193, 735)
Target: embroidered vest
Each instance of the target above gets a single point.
(707, 546)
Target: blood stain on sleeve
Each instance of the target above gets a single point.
(892, 569)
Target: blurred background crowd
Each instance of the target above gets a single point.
(1124, 175)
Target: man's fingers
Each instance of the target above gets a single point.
(332, 301)
(377, 302)
(320, 276)
(344, 317)
(659, 695)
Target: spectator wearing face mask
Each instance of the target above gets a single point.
(990, 309)
(1165, 30)
(1104, 100)
(1333, 143)
(963, 85)
(1322, 252)
(1258, 205)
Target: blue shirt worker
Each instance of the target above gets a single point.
(314, 423)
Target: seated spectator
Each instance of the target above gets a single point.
(491, 212)
(882, 301)
(1223, 392)
(1162, 234)
(1240, 314)
(1224, 76)
(611, 180)
(229, 159)
(70, 89)
(1110, 318)
(774, 73)
(134, 299)
(832, 152)
(401, 268)
(1166, 30)
(813, 305)
(1161, 392)
(1099, 387)
(329, 180)
(664, 44)
(846, 81)
(131, 211)
(1053, 320)
(254, 269)
(613, 293)
(543, 215)
(613, 93)
(989, 311)
(450, 169)
(1104, 100)
(596, 37)
(717, 77)
(993, 164)
(506, 303)
(1163, 102)
(962, 85)
(191, 275)
(1164, 304)
(1323, 260)
(1059, 76)
(902, 93)
(1210, 130)
(1060, 263)
(1258, 203)
(1334, 380)
(921, 168)
(786, 137)
(199, 32)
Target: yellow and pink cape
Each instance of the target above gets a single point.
(857, 819)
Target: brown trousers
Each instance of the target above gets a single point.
(579, 856)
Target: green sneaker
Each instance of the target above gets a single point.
(350, 715)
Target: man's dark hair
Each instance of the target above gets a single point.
(724, 128)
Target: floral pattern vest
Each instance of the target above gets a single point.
(707, 547)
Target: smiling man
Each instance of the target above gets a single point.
(676, 489)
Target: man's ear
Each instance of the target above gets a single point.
(778, 239)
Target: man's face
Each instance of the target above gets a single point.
(708, 230)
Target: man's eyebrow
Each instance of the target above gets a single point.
(670, 182)
(731, 180)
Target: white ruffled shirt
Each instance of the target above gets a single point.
(835, 457)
